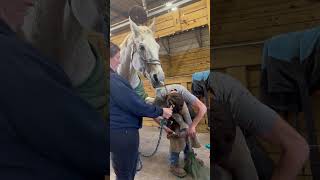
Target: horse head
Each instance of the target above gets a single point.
(145, 53)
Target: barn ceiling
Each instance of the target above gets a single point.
(119, 8)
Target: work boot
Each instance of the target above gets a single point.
(177, 171)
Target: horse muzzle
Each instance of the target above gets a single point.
(157, 81)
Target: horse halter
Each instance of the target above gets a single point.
(148, 61)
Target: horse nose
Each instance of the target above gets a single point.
(155, 77)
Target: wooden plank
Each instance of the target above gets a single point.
(208, 13)
(240, 73)
(186, 47)
(227, 14)
(187, 39)
(239, 5)
(191, 52)
(168, 24)
(118, 39)
(240, 56)
(269, 21)
(192, 41)
(254, 78)
(187, 34)
(190, 60)
(261, 34)
(191, 56)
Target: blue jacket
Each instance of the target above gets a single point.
(126, 107)
(46, 130)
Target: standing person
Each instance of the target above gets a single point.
(126, 112)
(47, 131)
(256, 118)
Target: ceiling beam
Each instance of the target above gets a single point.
(118, 11)
(115, 17)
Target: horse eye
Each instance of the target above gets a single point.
(142, 47)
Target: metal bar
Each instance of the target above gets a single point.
(144, 5)
(119, 26)
(123, 21)
(198, 36)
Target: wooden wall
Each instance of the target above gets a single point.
(242, 21)
(250, 20)
(183, 19)
(185, 41)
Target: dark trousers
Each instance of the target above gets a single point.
(124, 144)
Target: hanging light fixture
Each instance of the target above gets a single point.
(169, 4)
(174, 8)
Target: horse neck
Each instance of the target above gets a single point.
(126, 69)
(52, 28)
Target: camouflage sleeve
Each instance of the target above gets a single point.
(140, 91)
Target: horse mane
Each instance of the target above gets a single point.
(142, 30)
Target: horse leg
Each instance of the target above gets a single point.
(178, 118)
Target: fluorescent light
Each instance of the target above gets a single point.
(169, 4)
(174, 9)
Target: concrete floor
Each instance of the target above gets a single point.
(156, 167)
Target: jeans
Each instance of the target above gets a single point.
(174, 156)
(124, 144)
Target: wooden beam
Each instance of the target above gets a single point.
(118, 11)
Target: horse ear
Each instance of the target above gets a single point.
(153, 25)
(134, 28)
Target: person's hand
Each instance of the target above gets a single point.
(167, 113)
(191, 131)
(170, 133)
(168, 130)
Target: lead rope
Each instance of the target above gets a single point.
(163, 122)
(140, 165)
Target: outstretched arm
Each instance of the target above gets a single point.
(295, 150)
(202, 109)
